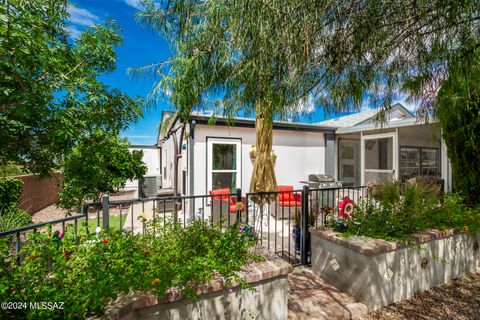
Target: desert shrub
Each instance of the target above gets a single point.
(418, 207)
(12, 217)
(386, 192)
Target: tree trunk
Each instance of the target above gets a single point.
(263, 175)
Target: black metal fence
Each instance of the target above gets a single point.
(281, 218)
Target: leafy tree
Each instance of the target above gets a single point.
(268, 56)
(458, 109)
(99, 163)
(50, 95)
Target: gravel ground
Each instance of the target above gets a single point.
(52, 212)
(459, 300)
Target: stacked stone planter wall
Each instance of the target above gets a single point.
(379, 272)
(268, 300)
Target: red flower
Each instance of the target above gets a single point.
(67, 255)
(105, 241)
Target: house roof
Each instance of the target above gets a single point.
(408, 122)
(203, 119)
(250, 123)
(360, 121)
(397, 112)
(350, 120)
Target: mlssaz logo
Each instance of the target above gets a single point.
(46, 305)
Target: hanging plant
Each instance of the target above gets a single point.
(253, 155)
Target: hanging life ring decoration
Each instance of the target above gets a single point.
(345, 208)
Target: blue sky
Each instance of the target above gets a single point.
(141, 47)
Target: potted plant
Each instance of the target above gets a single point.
(297, 230)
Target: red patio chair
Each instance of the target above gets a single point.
(222, 204)
(286, 203)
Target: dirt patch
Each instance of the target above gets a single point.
(459, 300)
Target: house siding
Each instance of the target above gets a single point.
(298, 154)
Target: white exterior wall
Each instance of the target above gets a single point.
(151, 158)
(168, 157)
(298, 154)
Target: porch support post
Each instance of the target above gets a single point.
(362, 159)
(445, 167)
(330, 153)
(396, 155)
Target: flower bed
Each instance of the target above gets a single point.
(86, 275)
(380, 253)
(379, 272)
(265, 297)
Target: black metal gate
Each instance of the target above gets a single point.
(282, 218)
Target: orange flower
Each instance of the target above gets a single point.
(466, 228)
(155, 281)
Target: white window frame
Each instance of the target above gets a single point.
(210, 171)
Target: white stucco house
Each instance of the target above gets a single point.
(151, 159)
(353, 148)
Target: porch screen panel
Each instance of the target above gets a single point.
(378, 153)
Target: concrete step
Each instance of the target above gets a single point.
(311, 297)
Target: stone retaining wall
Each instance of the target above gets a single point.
(268, 300)
(379, 272)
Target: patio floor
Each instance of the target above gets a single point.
(311, 297)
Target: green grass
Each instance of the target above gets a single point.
(92, 224)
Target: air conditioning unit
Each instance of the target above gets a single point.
(148, 186)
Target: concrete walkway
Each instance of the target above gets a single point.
(311, 297)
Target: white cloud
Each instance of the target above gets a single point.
(74, 32)
(306, 105)
(82, 17)
(137, 4)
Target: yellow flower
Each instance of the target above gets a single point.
(239, 206)
(142, 216)
(466, 228)
(155, 281)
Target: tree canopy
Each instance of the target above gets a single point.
(458, 109)
(269, 56)
(341, 52)
(50, 94)
(98, 164)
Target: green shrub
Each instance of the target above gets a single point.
(386, 192)
(10, 191)
(99, 163)
(13, 217)
(417, 208)
(88, 275)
